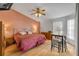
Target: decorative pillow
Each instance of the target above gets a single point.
(29, 32)
(23, 32)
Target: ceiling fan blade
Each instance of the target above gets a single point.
(33, 10)
(43, 10)
(43, 14)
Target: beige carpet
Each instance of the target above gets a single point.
(42, 50)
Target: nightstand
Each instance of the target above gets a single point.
(48, 35)
(9, 41)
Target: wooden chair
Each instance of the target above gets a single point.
(59, 41)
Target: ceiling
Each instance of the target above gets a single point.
(53, 10)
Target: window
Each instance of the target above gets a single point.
(70, 29)
(58, 27)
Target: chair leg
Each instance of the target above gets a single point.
(65, 46)
(51, 45)
(59, 47)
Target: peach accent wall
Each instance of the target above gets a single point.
(13, 19)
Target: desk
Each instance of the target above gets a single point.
(63, 40)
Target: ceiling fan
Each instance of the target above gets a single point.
(38, 12)
(5, 6)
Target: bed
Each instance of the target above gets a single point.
(27, 41)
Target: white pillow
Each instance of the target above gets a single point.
(29, 32)
(22, 32)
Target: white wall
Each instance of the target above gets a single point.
(45, 25)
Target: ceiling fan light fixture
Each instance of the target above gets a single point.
(38, 12)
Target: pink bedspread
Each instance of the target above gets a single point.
(30, 41)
